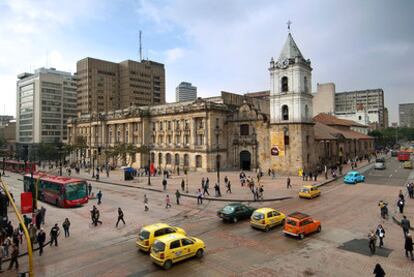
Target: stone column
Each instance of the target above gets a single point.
(130, 132)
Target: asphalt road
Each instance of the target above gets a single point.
(393, 175)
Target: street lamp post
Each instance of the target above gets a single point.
(149, 171)
(93, 164)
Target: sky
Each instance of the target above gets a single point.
(216, 45)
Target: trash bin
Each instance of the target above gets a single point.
(128, 173)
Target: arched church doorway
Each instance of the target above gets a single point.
(245, 160)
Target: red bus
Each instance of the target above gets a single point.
(18, 166)
(61, 191)
(403, 156)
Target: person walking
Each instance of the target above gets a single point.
(14, 257)
(228, 187)
(401, 195)
(97, 216)
(99, 196)
(120, 217)
(43, 214)
(41, 238)
(146, 203)
(32, 233)
(380, 232)
(378, 271)
(177, 196)
(206, 186)
(66, 225)
(6, 244)
(400, 205)
(199, 197)
(54, 233)
(288, 184)
(203, 181)
(164, 184)
(405, 224)
(89, 189)
(226, 180)
(167, 202)
(182, 185)
(409, 246)
(372, 239)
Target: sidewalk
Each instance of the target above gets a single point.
(274, 189)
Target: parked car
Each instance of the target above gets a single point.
(309, 192)
(266, 218)
(234, 212)
(299, 225)
(380, 164)
(353, 177)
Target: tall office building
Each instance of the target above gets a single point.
(106, 86)
(185, 92)
(406, 115)
(45, 100)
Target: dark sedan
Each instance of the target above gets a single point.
(235, 211)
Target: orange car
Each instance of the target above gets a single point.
(299, 224)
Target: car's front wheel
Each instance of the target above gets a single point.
(301, 236)
(167, 264)
(267, 228)
(319, 229)
(200, 253)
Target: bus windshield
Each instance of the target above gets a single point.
(75, 191)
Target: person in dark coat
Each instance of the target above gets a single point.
(182, 185)
(14, 256)
(54, 233)
(400, 205)
(378, 271)
(405, 224)
(177, 196)
(372, 239)
(409, 246)
(41, 238)
(380, 234)
(99, 196)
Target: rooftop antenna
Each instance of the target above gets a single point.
(140, 45)
(288, 24)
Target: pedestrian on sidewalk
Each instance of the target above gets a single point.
(401, 195)
(6, 244)
(203, 181)
(41, 238)
(409, 246)
(54, 233)
(405, 224)
(43, 214)
(199, 197)
(167, 202)
(400, 205)
(206, 186)
(372, 240)
(38, 219)
(216, 190)
(66, 225)
(182, 184)
(120, 217)
(99, 196)
(378, 271)
(177, 196)
(288, 184)
(228, 187)
(164, 184)
(146, 203)
(225, 180)
(410, 190)
(32, 233)
(381, 234)
(14, 257)
(89, 189)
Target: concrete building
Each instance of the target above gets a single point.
(185, 92)
(105, 86)
(406, 115)
(5, 119)
(45, 100)
(324, 99)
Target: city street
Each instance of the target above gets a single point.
(347, 212)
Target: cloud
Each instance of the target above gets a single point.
(173, 55)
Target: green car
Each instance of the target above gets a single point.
(235, 211)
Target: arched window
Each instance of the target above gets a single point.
(305, 83)
(285, 86)
(285, 112)
(168, 158)
(159, 158)
(177, 159)
(199, 162)
(306, 112)
(186, 160)
(244, 129)
(152, 157)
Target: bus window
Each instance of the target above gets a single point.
(75, 191)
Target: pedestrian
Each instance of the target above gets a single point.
(203, 181)
(288, 184)
(178, 171)
(199, 197)
(167, 202)
(41, 238)
(226, 180)
(54, 233)
(372, 239)
(401, 195)
(206, 186)
(228, 187)
(38, 219)
(97, 216)
(14, 257)
(146, 203)
(120, 217)
(216, 189)
(32, 233)
(405, 224)
(182, 184)
(177, 196)
(164, 184)
(315, 176)
(6, 244)
(410, 190)
(99, 196)
(66, 225)
(43, 214)
(409, 246)
(381, 234)
(89, 189)
(261, 192)
(93, 214)
(400, 205)
(378, 271)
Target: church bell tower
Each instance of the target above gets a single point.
(291, 126)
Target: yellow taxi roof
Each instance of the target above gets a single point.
(264, 210)
(170, 237)
(309, 186)
(155, 226)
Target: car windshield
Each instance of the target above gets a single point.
(144, 234)
(304, 190)
(291, 222)
(258, 216)
(158, 246)
(75, 191)
(228, 209)
(379, 161)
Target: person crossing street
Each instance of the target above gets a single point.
(54, 233)
(120, 217)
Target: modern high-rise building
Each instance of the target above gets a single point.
(185, 92)
(45, 100)
(406, 115)
(105, 86)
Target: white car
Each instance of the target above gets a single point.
(379, 164)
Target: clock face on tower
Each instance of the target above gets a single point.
(284, 63)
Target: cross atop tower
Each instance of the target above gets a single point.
(288, 24)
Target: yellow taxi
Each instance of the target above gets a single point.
(309, 192)
(148, 234)
(173, 248)
(408, 165)
(266, 218)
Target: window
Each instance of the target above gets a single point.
(177, 159)
(186, 160)
(199, 162)
(159, 158)
(307, 140)
(168, 158)
(285, 112)
(359, 117)
(306, 112)
(286, 136)
(217, 123)
(244, 130)
(269, 214)
(186, 242)
(169, 139)
(285, 86)
(175, 244)
(160, 232)
(169, 125)
(152, 157)
(160, 125)
(305, 83)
